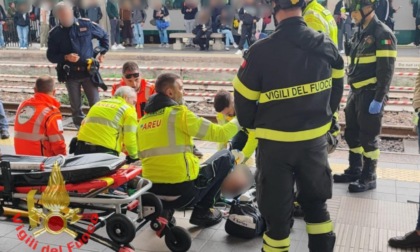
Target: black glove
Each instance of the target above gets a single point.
(129, 160)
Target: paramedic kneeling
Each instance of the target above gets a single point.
(110, 125)
(38, 124)
(165, 139)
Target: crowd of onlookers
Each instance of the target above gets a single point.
(242, 22)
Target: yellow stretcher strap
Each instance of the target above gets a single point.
(109, 181)
(33, 216)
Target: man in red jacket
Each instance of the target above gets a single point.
(133, 78)
(38, 124)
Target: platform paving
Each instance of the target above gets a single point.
(363, 222)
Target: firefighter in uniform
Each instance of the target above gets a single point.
(133, 78)
(70, 47)
(245, 141)
(286, 89)
(110, 125)
(320, 19)
(372, 58)
(38, 124)
(165, 143)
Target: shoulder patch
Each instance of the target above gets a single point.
(25, 114)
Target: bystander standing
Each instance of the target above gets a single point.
(189, 10)
(162, 19)
(21, 20)
(125, 15)
(138, 20)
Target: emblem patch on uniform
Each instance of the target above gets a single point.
(83, 29)
(60, 125)
(369, 40)
(25, 114)
(386, 42)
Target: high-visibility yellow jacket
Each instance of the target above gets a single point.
(111, 123)
(251, 143)
(320, 19)
(165, 143)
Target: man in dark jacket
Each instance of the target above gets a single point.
(382, 10)
(2, 21)
(94, 12)
(249, 17)
(291, 113)
(21, 20)
(70, 46)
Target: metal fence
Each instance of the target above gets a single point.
(11, 37)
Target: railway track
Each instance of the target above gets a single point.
(390, 131)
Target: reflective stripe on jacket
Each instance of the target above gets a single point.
(39, 127)
(111, 123)
(165, 140)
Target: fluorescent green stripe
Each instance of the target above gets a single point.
(283, 136)
(337, 73)
(267, 248)
(366, 60)
(365, 82)
(386, 53)
(372, 154)
(276, 243)
(244, 91)
(358, 150)
(319, 228)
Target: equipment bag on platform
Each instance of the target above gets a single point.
(245, 221)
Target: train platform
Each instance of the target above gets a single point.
(363, 222)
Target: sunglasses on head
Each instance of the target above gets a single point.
(134, 75)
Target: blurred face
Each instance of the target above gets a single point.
(176, 92)
(356, 16)
(132, 79)
(131, 99)
(12, 5)
(66, 17)
(229, 111)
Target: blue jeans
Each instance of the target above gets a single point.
(138, 34)
(23, 32)
(228, 37)
(163, 35)
(3, 119)
(1, 36)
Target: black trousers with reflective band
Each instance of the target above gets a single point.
(84, 148)
(279, 166)
(362, 128)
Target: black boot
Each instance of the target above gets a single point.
(410, 240)
(368, 179)
(352, 173)
(322, 242)
(205, 217)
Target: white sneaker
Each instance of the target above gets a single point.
(227, 49)
(24, 48)
(235, 45)
(167, 45)
(114, 47)
(141, 46)
(43, 48)
(137, 46)
(121, 47)
(342, 52)
(21, 48)
(239, 52)
(162, 45)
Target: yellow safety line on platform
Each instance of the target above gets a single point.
(6, 142)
